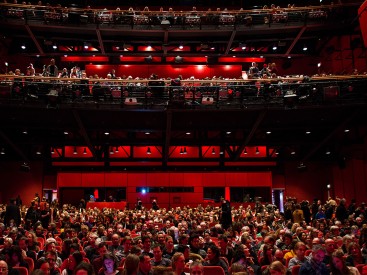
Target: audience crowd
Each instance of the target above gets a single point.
(316, 238)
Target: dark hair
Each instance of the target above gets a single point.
(181, 248)
(84, 266)
(40, 262)
(109, 256)
(78, 257)
(215, 250)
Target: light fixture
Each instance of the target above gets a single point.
(268, 132)
(112, 151)
(54, 47)
(228, 132)
(38, 152)
(188, 133)
(257, 150)
(245, 151)
(116, 149)
(106, 133)
(149, 47)
(319, 64)
(328, 186)
(2, 151)
(180, 47)
(276, 152)
(6, 64)
(327, 152)
(66, 133)
(275, 48)
(52, 151)
(25, 132)
(304, 48)
(75, 151)
(289, 57)
(147, 133)
(308, 132)
(184, 151)
(221, 153)
(346, 131)
(148, 151)
(84, 151)
(23, 47)
(293, 152)
(213, 151)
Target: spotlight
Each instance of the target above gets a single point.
(52, 151)
(116, 149)
(257, 150)
(228, 132)
(213, 151)
(54, 47)
(346, 131)
(328, 186)
(308, 132)
(268, 132)
(180, 47)
(147, 133)
(245, 151)
(38, 152)
(188, 133)
(112, 151)
(143, 191)
(6, 64)
(148, 151)
(2, 151)
(106, 133)
(66, 133)
(275, 48)
(23, 47)
(304, 48)
(84, 151)
(75, 151)
(25, 132)
(184, 151)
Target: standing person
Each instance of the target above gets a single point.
(51, 69)
(12, 214)
(298, 214)
(226, 220)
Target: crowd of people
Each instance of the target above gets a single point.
(306, 238)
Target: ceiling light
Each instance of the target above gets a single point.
(2, 151)
(243, 47)
(304, 48)
(180, 47)
(346, 131)
(149, 47)
(75, 151)
(111, 151)
(25, 132)
(257, 150)
(116, 149)
(289, 57)
(293, 152)
(106, 133)
(308, 132)
(188, 133)
(147, 133)
(213, 151)
(327, 152)
(66, 133)
(228, 132)
(221, 153)
(52, 151)
(84, 151)
(268, 132)
(38, 152)
(23, 47)
(6, 64)
(54, 47)
(275, 48)
(276, 152)
(86, 47)
(245, 151)
(148, 151)
(181, 151)
(319, 64)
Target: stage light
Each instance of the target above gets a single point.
(52, 151)
(66, 133)
(75, 151)
(245, 151)
(2, 151)
(148, 151)
(25, 132)
(188, 133)
(228, 132)
(180, 47)
(257, 150)
(38, 152)
(54, 47)
(143, 191)
(111, 151)
(23, 47)
(308, 132)
(304, 48)
(213, 151)
(275, 48)
(147, 133)
(106, 133)
(268, 132)
(6, 64)
(84, 151)
(346, 131)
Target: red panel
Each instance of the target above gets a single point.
(137, 179)
(251, 163)
(123, 152)
(259, 179)
(77, 163)
(116, 179)
(158, 179)
(176, 179)
(84, 59)
(193, 179)
(363, 21)
(143, 163)
(142, 152)
(93, 179)
(172, 163)
(214, 179)
(241, 59)
(210, 151)
(69, 179)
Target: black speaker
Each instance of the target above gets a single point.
(212, 60)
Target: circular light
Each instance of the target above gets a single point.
(106, 133)
(274, 48)
(86, 47)
(244, 48)
(180, 47)
(54, 47)
(147, 133)
(229, 132)
(188, 133)
(305, 48)
(293, 152)
(23, 47)
(268, 132)
(66, 133)
(143, 191)
(327, 152)
(308, 132)
(346, 131)
(289, 57)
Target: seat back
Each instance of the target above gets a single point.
(22, 270)
(295, 269)
(213, 270)
(30, 263)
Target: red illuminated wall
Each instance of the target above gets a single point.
(199, 71)
(133, 180)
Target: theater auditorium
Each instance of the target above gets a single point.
(214, 138)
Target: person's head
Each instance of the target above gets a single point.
(318, 253)
(3, 268)
(196, 268)
(184, 249)
(354, 249)
(127, 243)
(74, 260)
(338, 263)
(23, 243)
(84, 269)
(178, 262)
(144, 263)
(223, 241)
(132, 264)
(277, 268)
(213, 253)
(288, 238)
(51, 258)
(300, 249)
(194, 241)
(146, 242)
(169, 242)
(43, 265)
(157, 252)
(16, 255)
(102, 248)
(237, 267)
(115, 239)
(109, 262)
(330, 246)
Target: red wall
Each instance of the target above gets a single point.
(199, 71)
(14, 182)
(133, 180)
